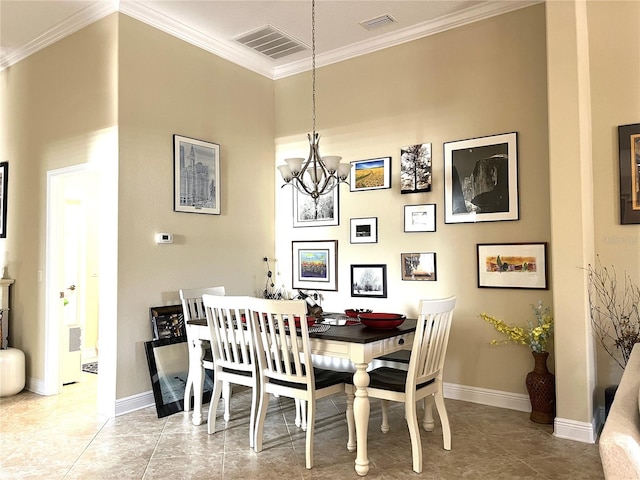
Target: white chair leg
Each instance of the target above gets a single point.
(428, 422)
(303, 414)
(385, 416)
(444, 420)
(226, 387)
(260, 418)
(253, 415)
(213, 407)
(311, 410)
(414, 433)
(351, 421)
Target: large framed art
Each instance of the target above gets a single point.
(315, 264)
(415, 168)
(481, 179)
(629, 158)
(371, 174)
(309, 213)
(196, 176)
(369, 281)
(512, 265)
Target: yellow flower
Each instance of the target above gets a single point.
(535, 335)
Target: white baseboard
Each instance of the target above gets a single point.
(485, 396)
(573, 430)
(35, 385)
(134, 402)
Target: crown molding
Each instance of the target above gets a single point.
(75, 22)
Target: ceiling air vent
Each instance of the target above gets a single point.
(271, 42)
(378, 22)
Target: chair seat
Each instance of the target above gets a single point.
(323, 379)
(393, 379)
(401, 356)
(233, 371)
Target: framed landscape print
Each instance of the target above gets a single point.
(419, 266)
(420, 218)
(308, 213)
(415, 168)
(196, 176)
(481, 179)
(629, 158)
(372, 174)
(315, 265)
(512, 265)
(369, 281)
(364, 230)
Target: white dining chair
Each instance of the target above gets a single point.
(193, 309)
(284, 361)
(423, 378)
(232, 347)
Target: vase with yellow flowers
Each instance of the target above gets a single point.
(540, 382)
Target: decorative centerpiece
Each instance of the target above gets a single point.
(540, 382)
(270, 291)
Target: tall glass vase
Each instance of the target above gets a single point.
(541, 386)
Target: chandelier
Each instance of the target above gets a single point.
(324, 173)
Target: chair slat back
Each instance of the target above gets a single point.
(231, 339)
(430, 340)
(281, 353)
(191, 299)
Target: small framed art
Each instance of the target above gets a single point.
(629, 158)
(369, 281)
(420, 218)
(372, 174)
(196, 176)
(512, 265)
(308, 213)
(364, 230)
(415, 168)
(481, 179)
(315, 264)
(418, 266)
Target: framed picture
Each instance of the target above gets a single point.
(418, 266)
(369, 281)
(315, 265)
(629, 158)
(4, 182)
(196, 176)
(420, 218)
(512, 265)
(167, 322)
(481, 179)
(372, 174)
(308, 213)
(415, 168)
(168, 361)
(364, 230)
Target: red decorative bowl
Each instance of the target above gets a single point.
(354, 312)
(382, 321)
(311, 320)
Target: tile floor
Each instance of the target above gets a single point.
(61, 437)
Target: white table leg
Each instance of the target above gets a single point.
(361, 409)
(198, 383)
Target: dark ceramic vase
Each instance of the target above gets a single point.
(542, 390)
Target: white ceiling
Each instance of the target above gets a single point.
(27, 26)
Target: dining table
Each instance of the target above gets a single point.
(352, 341)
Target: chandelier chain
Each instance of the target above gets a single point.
(313, 63)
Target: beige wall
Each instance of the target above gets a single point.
(482, 79)
(168, 87)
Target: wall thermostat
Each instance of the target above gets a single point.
(164, 238)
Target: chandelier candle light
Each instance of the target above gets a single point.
(325, 173)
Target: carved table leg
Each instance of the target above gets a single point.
(361, 413)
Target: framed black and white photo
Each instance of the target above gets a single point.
(167, 321)
(314, 265)
(419, 266)
(415, 168)
(369, 281)
(420, 218)
(629, 162)
(512, 265)
(168, 361)
(323, 213)
(196, 176)
(4, 182)
(364, 230)
(371, 174)
(481, 179)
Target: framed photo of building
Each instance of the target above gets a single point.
(196, 176)
(418, 266)
(364, 230)
(315, 265)
(415, 168)
(369, 281)
(629, 158)
(372, 174)
(420, 218)
(481, 179)
(512, 265)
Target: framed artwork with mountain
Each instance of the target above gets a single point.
(481, 179)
